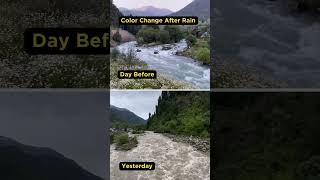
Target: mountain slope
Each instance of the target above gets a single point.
(124, 116)
(199, 8)
(146, 11)
(182, 113)
(114, 15)
(20, 161)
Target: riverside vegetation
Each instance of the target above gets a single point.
(181, 116)
(151, 36)
(123, 141)
(129, 61)
(18, 69)
(197, 38)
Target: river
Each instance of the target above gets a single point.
(167, 63)
(174, 161)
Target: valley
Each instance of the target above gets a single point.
(160, 48)
(173, 160)
(175, 135)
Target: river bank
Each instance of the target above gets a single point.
(165, 61)
(231, 74)
(200, 144)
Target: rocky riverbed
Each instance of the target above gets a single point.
(200, 144)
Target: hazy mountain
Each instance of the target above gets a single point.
(19, 161)
(125, 116)
(146, 11)
(199, 8)
(114, 15)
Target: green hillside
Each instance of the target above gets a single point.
(184, 113)
(121, 118)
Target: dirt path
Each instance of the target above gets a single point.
(174, 161)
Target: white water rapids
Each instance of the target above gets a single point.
(167, 63)
(173, 160)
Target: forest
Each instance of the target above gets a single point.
(264, 136)
(185, 113)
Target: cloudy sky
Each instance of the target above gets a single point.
(66, 122)
(139, 102)
(173, 5)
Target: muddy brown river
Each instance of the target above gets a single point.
(174, 161)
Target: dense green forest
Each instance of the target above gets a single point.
(266, 136)
(186, 113)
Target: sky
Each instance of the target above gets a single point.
(138, 102)
(71, 123)
(173, 5)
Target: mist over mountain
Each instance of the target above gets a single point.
(19, 161)
(199, 8)
(122, 115)
(145, 11)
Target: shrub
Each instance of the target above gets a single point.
(117, 37)
(191, 39)
(115, 53)
(122, 139)
(131, 57)
(203, 54)
(124, 142)
(140, 40)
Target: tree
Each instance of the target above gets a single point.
(164, 37)
(117, 37)
(148, 35)
(154, 26)
(175, 33)
(191, 40)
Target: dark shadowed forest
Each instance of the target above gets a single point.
(266, 136)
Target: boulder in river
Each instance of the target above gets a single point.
(138, 50)
(166, 47)
(156, 52)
